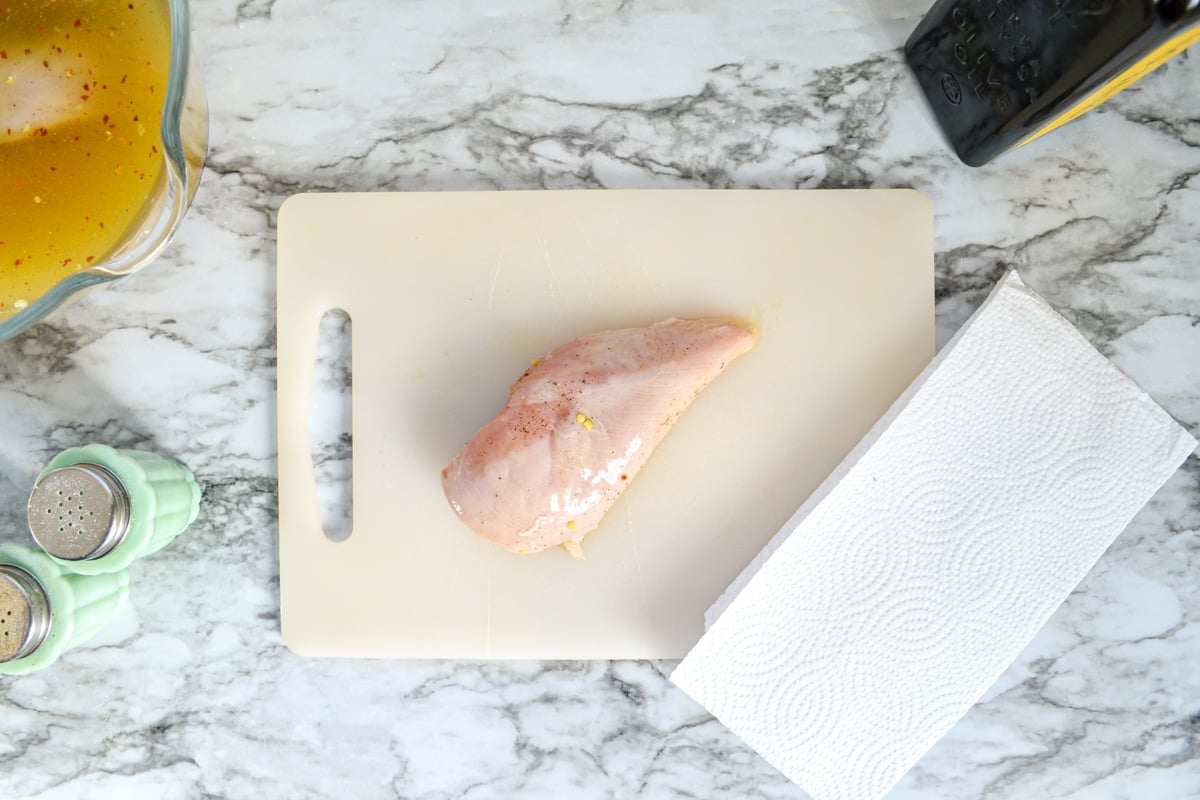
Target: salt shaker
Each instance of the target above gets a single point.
(96, 508)
(45, 609)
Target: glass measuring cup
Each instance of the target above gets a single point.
(103, 134)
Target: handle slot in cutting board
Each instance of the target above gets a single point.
(330, 424)
(453, 293)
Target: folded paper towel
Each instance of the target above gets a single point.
(917, 572)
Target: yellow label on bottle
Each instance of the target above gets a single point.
(1150, 62)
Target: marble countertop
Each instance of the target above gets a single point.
(190, 693)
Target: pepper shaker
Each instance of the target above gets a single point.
(999, 74)
(96, 509)
(45, 609)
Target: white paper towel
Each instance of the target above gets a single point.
(922, 566)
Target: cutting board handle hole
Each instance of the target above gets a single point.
(330, 429)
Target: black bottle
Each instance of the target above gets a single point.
(1000, 73)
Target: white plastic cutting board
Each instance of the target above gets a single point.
(452, 294)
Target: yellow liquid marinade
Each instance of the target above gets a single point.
(82, 84)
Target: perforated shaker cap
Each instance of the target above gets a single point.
(79, 512)
(24, 613)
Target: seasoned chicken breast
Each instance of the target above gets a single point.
(578, 426)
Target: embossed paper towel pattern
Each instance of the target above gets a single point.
(919, 570)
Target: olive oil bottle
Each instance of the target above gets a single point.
(1000, 73)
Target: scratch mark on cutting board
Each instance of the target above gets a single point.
(495, 278)
(637, 558)
(487, 636)
(598, 266)
(653, 281)
(549, 265)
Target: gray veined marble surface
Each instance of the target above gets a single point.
(189, 694)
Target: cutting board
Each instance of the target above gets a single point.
(451, 295)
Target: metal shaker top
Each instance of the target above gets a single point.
(24, 613)
(79, 512)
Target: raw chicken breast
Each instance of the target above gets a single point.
(578, 426)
